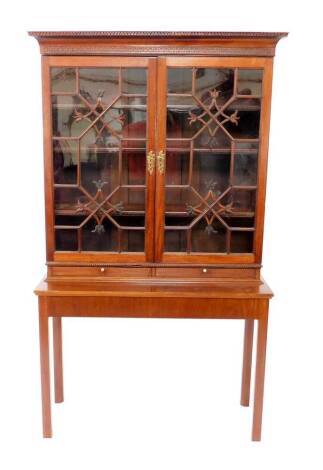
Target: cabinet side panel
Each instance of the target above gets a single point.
(263, 158)
(48, 164)
(151, 147)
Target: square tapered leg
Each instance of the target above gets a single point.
(247, 362)
(58, 359)
(260, 374)
(44, 366)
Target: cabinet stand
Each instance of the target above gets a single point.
(222, 301)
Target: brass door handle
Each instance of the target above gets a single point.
(151, 157)
(161, 162)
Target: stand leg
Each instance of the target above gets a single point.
(247, 361)
(44, 366)
(260, 375)
(58, 359)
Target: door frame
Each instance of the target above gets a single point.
(98, 61)
(229, 62)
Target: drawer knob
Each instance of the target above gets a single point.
(102, 270)
(204, 270)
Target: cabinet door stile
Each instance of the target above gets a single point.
(48, 160)
(160, 147)
(263, 158)
(151, 166)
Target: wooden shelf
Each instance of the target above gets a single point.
(197, 109)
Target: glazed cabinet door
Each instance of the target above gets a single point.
(99, 117)
(211, 158)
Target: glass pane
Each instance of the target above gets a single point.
(99, 169)
(67, 198)
(246, 123)
(243, 201)
(65, 112)
(136, 103)
(128, 119)
(209, 238)
(245, 169)
(210, 80)
(133, 167)
(177, 168)
(66, 228)
(179, 80)
(175, 240)
(130, 220)
(177, 144)
(133, 240)
(213, 138)
(132, 199)
(106, 158)
(241, 145)
(179, 122)
(66, 240)
(181, 103)
(250, 81)
(178, 219)
(211, 171)
(237, 220)
(63, 80)
(66, 219)
(65, 161)
(134, 81)
(241, 242)
(99, 84)
(105, 239)
(178, 199)
(212, 145)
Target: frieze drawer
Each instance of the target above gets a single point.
(206, 272)
(98, 271)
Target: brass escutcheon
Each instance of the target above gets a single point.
(151, 157)
(161, 162)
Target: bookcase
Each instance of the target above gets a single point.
(155, 159)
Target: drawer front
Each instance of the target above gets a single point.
(207, 273)
(98, 272)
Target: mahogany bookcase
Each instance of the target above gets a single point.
(155, 158)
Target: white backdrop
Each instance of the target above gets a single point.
(164, 394)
